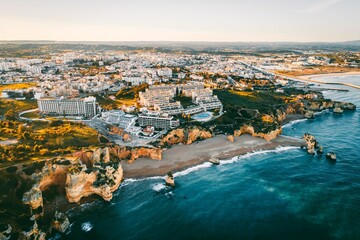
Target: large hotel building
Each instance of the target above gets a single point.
(157, 120)
(79, 107)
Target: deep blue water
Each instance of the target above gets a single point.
(283, 194)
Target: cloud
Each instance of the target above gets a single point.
(320, 6)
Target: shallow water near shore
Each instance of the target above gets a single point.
(278, 194)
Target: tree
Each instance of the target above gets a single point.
(10, 115)
(20, 129)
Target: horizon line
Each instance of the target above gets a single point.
(175, 41)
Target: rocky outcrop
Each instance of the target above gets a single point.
(169, 180)
(338, 110)
(309, 114)
(152, 153)
(323, 104)
(33, 197)
(197, 134)
(102, 179)
(90, 157)
(60, 222)
(53, 173)
(250, 130)
(186, 136)
(320, 105)
(345, 105)
(230, 138)
(34, 233)
(90, 172)
(312, 144)
(131, 154)
(5, 233)
(331, 156)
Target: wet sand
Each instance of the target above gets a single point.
(181, 157)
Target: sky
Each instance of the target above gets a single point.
(181, 20)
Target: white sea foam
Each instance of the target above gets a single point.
(208, 164)
(131, 180)
(255, 153)
(169, 194)
(86, 226)
(321, 112)
(193, 169)
(158, 187)
(289, 124)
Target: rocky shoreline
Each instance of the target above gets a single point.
(100, 171)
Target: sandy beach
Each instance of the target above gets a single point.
(309, 77)
(180, 157)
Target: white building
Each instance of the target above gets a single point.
(158, 121)
(84, 107)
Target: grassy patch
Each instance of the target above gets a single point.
(39, 140)
(17, 106)
(16, 86)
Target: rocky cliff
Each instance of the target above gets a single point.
(250, 130)
(102, 179)
(311, 143)
(323, 104)
(131, 154)
(90, 172)
(186, 136)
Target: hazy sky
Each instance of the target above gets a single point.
(180, 20)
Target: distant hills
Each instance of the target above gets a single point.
(190, 47)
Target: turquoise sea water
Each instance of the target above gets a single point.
(280, 194)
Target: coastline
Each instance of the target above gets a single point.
(310, 77)
(181, 157)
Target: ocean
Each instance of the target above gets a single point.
(279, 194)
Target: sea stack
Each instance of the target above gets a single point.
(338, 110)
(331, 156)
(214, 161)
(170, 179)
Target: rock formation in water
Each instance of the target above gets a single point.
(169, 179)
(309, 114)
(60, 222)
(311, 143)
(338, 110)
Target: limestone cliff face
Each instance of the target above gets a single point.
(175, 136)
(102, 178)
(91, 172)
(91, 157)
(320, 105)
(33, 197)
(250, 130)
(197, 134)
(186, 136)
(152, 153)
(52, 173)
(102, 181)
(345, 105)
(327, 104)
(311, 143)
(131, 154)
(230, 138)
